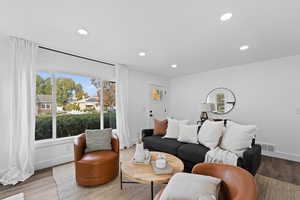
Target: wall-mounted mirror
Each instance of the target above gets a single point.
(222, 99)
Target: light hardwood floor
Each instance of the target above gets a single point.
(284, 170)
(42, 185)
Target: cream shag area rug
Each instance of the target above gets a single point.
(269, 189)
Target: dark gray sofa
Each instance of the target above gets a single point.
(191, 154)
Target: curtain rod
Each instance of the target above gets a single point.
(77, 56)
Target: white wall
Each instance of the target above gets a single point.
(267, 94)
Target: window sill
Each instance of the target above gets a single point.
(53, 142)
(58, 141)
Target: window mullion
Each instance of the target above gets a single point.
(101, 107)
(54, 106)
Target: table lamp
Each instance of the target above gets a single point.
(204, 109)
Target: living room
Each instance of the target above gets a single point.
(206, 90)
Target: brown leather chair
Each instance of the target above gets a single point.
(237, 183)
(96, 167)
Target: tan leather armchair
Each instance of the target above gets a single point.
(98, 167)
(237, 183)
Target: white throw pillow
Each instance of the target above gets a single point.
(210, 133)
(185, 186)
(188, 133)
(173, 128)
(237, 137)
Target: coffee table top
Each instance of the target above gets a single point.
(144, 173)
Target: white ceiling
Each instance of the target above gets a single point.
(186, 32)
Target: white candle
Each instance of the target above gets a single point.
(161, 163)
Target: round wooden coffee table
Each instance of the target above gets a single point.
(138, 173)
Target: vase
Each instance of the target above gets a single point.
(139, 155)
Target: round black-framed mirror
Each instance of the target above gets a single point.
(222, 100)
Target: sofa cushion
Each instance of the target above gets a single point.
(157, 143)
(194, 153)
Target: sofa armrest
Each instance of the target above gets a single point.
(79, 146)
(252, 158)
(147, 132)
(115, 144)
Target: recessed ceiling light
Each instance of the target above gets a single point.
(174, 66)
(82, 31)
(244, 47)
(142, 54)
(225, 17)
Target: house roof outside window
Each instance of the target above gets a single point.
(43, 98)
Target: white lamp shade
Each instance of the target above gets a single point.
(206, 107)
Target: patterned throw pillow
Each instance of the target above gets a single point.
(98, 140)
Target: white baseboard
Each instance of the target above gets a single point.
(53, 162)
(282, 155)
(279, 154)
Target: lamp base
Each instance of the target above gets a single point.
(203, 117)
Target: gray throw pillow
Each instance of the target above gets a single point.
(98, 140)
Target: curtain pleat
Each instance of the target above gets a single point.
(122, 105)
(22, 112)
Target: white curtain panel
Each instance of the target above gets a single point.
(122, 105)
(20, 133)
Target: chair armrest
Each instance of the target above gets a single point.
(79, 146)
(147, 132)
(252, 158)
(197, 169)
(158, 195)
(115, 144)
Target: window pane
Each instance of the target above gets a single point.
(43, 125)
(78, 104)
(109, 104)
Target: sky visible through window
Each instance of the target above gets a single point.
(84, 81)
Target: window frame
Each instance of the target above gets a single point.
(54, 139)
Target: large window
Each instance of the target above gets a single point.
(43, 129)
(109, 104)
(67, 105)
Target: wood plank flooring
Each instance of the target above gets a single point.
(42, 185)
(280, 169)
